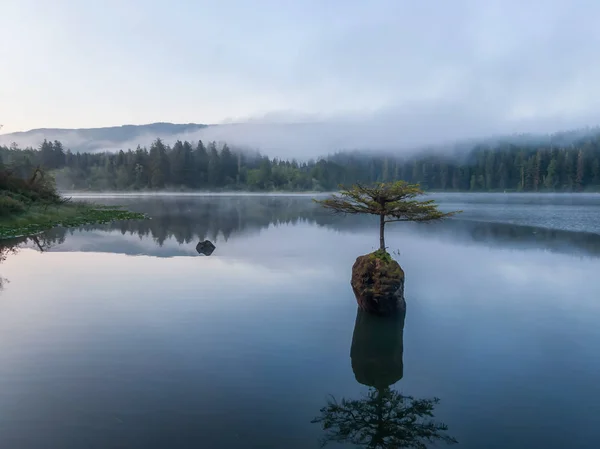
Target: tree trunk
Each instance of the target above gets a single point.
(381, 232)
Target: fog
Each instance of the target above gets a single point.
(393, 131)
(403, 130)
(308, 80)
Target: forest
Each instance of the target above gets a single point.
(503, 166)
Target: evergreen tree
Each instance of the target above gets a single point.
(551, 179)
(201, 165)
(159, 164)
(214, 166)
(229, 166)
(596, 171)
(177, 163)
(580, 174)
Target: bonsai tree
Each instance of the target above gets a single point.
(394, 201)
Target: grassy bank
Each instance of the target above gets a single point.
(40, 217)
(31, 205)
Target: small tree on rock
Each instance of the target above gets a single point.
(392, 202)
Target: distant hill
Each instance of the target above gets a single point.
(302, 140)
(100, 139)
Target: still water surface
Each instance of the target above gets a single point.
(123, 336)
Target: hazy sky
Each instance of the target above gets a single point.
(450, 69)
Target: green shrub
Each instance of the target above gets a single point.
(10, 206)
(38, 187)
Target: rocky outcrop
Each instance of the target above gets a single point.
(206, 247)
(378, 284)
(377, 348)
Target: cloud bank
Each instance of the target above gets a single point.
(305, 78)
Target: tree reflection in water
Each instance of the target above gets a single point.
(42, 242)
(187, 220)
(382, 418)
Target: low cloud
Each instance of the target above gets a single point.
(311, 79)
(302, 136)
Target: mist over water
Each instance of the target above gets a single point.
(138, 339)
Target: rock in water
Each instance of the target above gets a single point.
(378, 284)
(206, 247)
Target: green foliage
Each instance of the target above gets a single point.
(392, 201)
(10, 205)
(29, 202)
(37, 185)
(395, 201)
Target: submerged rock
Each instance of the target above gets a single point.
(206, 247)
(378, 284)
(377, 349)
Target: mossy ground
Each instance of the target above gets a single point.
(41, 217)
(382, 255)
(389, 267)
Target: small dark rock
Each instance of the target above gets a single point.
(378, 284)
(206, 247)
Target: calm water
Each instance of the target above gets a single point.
(123, 336)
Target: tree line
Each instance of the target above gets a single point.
(525, 167)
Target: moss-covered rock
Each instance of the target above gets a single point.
(378, 283)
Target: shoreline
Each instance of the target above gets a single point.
(165, 193)
(39, 218)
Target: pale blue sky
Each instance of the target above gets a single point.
(474, 66)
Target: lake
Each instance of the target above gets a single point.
(124, 336)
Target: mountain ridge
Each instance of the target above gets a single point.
(101, 138)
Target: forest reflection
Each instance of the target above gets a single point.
(190, 220)
(41, 242)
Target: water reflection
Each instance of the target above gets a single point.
(512, 236)
(377, 349)
(101, 349)
(6, 248)
(179, 222)
(205, 248)
(183, 221)
(382, 418)
(211, 218)
(41, 242)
